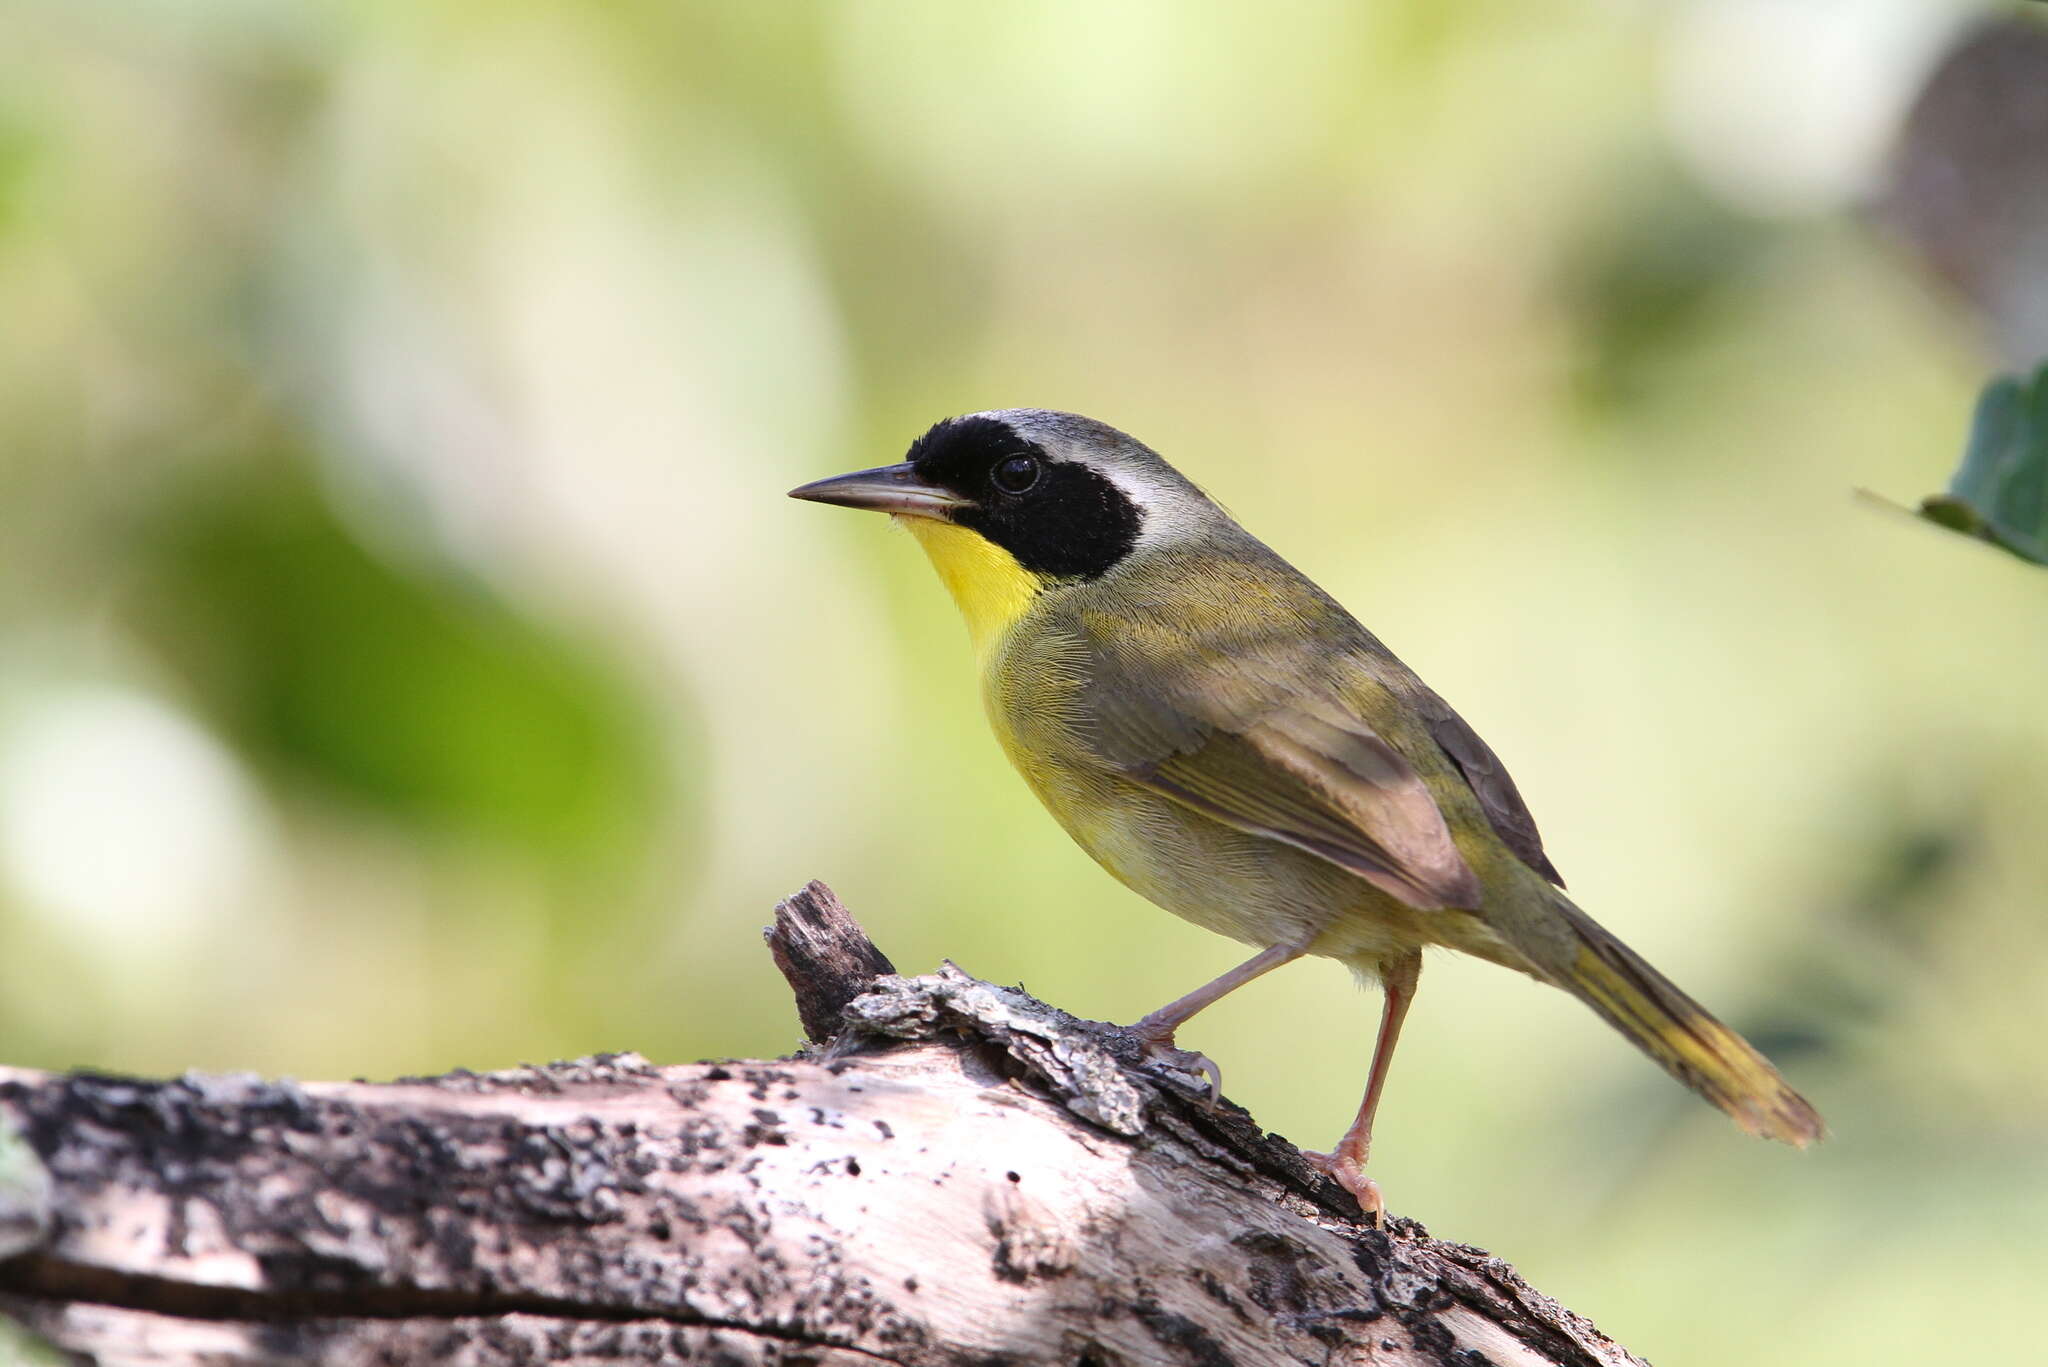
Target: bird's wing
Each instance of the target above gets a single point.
(1489, 781)
(1304, 770)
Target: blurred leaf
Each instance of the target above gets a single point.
(2000, 492)
(403, 686)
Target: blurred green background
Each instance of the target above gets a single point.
(408, 658)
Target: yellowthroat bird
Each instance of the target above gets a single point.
(1231, 744)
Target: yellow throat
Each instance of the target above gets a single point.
(992, 589)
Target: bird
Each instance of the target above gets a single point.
(1226, 740)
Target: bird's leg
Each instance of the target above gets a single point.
(1157, 1029)
(1346, 1162)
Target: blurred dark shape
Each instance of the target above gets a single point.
(1648, 278)
(2000, 492)
(1841, 979)
(406, 688)
(1969, 182)
(1835, 985)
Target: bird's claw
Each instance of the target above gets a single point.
(1351, 1176)
(1164, 1052)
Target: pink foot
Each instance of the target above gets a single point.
(1160, 1048)
(1351, 1176)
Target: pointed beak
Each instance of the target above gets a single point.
(884, 489)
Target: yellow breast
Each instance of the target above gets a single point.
(1027, 683)
(990, 587)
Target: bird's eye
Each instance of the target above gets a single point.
(1017, 474)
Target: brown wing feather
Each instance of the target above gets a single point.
(1489, 781)
(1329, 786)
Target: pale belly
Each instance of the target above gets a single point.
(1253, 889)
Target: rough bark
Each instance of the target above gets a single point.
(954, 1173)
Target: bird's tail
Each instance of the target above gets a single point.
(1681, 1035)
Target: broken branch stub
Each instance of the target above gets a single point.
(825, 956)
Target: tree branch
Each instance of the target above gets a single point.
(952, 1173)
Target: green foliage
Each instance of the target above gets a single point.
(393, 682)
(2000, 492)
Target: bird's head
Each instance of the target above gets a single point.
(1014, 502)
